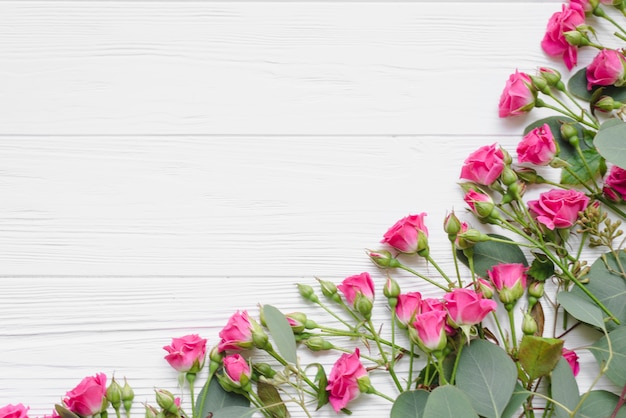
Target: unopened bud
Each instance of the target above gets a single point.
(264, 369)
(529, 325)
(127, 396)
(151, 412)
(508, 176)
(166, 400)
(452, 225)
(114, 394)
(485, 288)
(422, 244)
(607, 104)
(329, 289)
(576, 38)
(536, 289)
(552, 77)
(318, 344)
(383, 259)
(391, 289)
(540, 84)
(363, 305)
(307, 292)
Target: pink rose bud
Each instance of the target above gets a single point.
(391, 289)
(186, 354)
(236, 368)
(428, 331)
(485, 288)
(452, 226)
(14, 411)
(552, 77)
(558, 208)
(606, 69)
(480, 204)
(408, 307)
(518, 96)
(383, 259)
(529, 325)
(537, 147)
(509, 279)
(166, 400)
(466, 307)
(615, 184)
(554, 42)
(607, 104)
(404, 235)
(357, 287)
(114, 394)
(343, 385)
(484, 165)
(89, 397)
(237, 334)
(572, 360)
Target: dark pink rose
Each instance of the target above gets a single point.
(431, 304)
(343, 381)
(615, 184)
(428, 330)
(558, 208)
(407, 307)
(186, 354)
(404, 235)
(606, 69)
(466, 307)
(509, 279)
(554, 42)
(537, 147)
(572, 360)
(484, 165)
(518, 96)
(14, 411)
(237, 369)
(352, 286)
(237, 334)
(88, 397)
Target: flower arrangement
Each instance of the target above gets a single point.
(482, 347)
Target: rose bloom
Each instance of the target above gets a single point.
(537, 147)
(404, 234)
(428, 330)
(554, 42)
(484, 165)
(186, 354)
(466, 307)
(558, 208)
(236, 367)
(343, 383)
(606, 69)
(237, 334)
(509, 279)
(615, 184)
(407, 307)
(88, 397)
(572, 360)
(518, 96)
(14, 411)
(357, 284)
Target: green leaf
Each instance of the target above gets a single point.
(213, 397)
(538, 355)
(564, 389)
(281, 333)
(321, 381)
(234, 412)
(601, 403)
(581, 308)
(608, 286)
(595, 162)
(617, 367)
(577, 85)
(64, 412)
(488, 254)
(611, 142)
(448, 402)
(541, 268)
(519, 396)
(272, 400)
(410, 404)
(488, 376)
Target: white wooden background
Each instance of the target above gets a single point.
(165, 163)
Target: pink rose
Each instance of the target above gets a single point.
(484, 165)
(537, 147)
(428, 331)
(186, 354)
(466, 307)
(554, 42)
(407, 307)
(14, 411)
(572, 360)
(615, 184)
(404, 235)
(431, 304)
(88, 397)
(606, 69)
(518, 96)
(361, 284)
(237, 369)
(480, 204)
(558, 208)
(343, 381)
(509, 279)
(237, 334)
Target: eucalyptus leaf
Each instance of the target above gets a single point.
(487, 375)
(488, 254)
(410, 404)
(577, 85)
(281, 333)
(517, 399)
(611, 142)
(581, 308)
(64, 412)
(234, 412)
(213, 397)
(272, 400)
(601, 403)
(448, 402)
(616, 372)
(539, 355)
(593, 168)
(564, 389)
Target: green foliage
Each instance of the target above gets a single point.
(489, 253)
(611, 142)
(410, 404)
(581, 308)
(272, 400)
(564, 389)
(595, 166)
(488, 376)
(541, 267)
(577, 85)
(321, 381)
(616, 353)
(519, 396)
(448, 402)
(538, 355)
(234, 412)
(281, 333)
(64, 412)
(214, 398)
(600, 403)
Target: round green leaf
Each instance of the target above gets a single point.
(281, 333)
(601, 403)
(234, 412)
(448, 402)
(213, 397)
(611, 142)
(617, 366)
(488, 254)
(577, 85)
(410, 404)
(581, 308)
(563, 389)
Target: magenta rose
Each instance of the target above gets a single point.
(615, 184)
(361, 284)
(237, 369)
(484, 165)
(428, 330)
(89, 397)
(554, 42)
(237, 334)
(572, 360)
(404, 235)
(480, 204)
(186, 354)
(518, 96)
(14, 411)
(537, 147)
(343, 381)
(407, 307)
(509, 279)
(466, 307)
(606, 69)
(558, 208)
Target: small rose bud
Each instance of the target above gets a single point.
(264, 369)
(552, 77)
(391, 289)
(297, 321)
(318, 344)
(383, 259)
(307, 292)
(329, 289)
(607, 104)
(114, 394)
(536, 289)
(127, 396)
(452, 226)
(151, 412)
(540, 83)
(576, 38)
(529, 325)
(364, 305)
(167, 401)
(508, 176)
(485, 288)
(422, 244)
(568, 132)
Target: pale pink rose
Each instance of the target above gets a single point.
(404, 235)
(615, 184)
(572, 360)
(428, 330)
(466, 307)
(554, 42)
(407, 307)
(343, 385)
(88, 397)
(355, 285)
(14, 411)
(518, 96)
(606, 69)
(237, 334)
(237, 368)
(537, 147)
(484, 165)
(558, 208)
(186, 354)
(509, 279)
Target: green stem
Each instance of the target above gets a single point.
(270, 350)
(334, 315)
(411, 360)
(456, 363)
(579, 151)
(382, 395)
(421, 276)
(191, 378)
(504, 339)
(512, 326)
(569, 113)
(392, 372)
(342, 333)
(441, 272)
